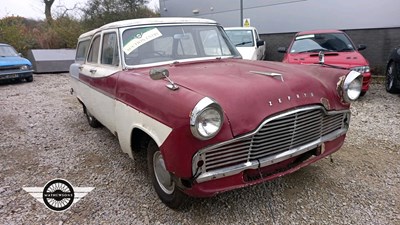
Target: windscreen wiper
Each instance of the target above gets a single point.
(346, 50)
(317, 50)
(243, 43)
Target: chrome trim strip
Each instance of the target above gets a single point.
(270, 74)
(232, 170)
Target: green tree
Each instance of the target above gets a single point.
(100, 12)
(67, 30)
(14, 31)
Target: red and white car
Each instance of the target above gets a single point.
(338, 50)
(210, 121)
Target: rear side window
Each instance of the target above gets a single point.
(109, 54)
(81, 50)
(94, 50)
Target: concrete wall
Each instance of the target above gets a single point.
(374, 23)
(284, 16)
(51, 60)
(379, 43)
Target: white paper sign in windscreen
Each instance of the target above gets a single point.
(140, 40)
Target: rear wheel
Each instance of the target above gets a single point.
(161, 178)
(93, 122)
(391, 81)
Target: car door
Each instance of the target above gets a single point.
(80, 56)
(260, 49)
(100, 75)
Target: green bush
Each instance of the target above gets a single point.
(63, 32)
(13, 31)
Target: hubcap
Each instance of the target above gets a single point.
(389, 75)
(163, 177)
(88, 115)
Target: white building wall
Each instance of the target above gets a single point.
(281, 16)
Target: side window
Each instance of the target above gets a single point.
(212, 44)
(109, 54)
(94, 50)
(81, 50)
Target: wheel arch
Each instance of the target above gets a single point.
(388, 64)
(132, 125)
(139, 140)
(83, 104)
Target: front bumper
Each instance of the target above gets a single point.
(255, 164)
(279, 145)
(250, 177)
(9, 75)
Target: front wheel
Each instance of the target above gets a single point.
(29, 79)
(161, 178)
(391, 81)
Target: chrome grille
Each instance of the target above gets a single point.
(6, 68)
(275, 135)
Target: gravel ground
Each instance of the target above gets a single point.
(44, 135)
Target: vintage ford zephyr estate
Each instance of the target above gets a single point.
(210, 121)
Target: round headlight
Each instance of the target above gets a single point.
(352, 86)
(354, 90)
(24, 67)
(206, 119)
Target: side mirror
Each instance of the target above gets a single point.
(282, 49)
(159, 73)
(260, 43)
(361, 47)
(20, 54)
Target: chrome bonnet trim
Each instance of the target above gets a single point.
(235, 169)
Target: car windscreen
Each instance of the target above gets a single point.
(156, 44)
(7, 51)
(241, 38)
(334, 42)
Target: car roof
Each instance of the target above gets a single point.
(239, 28)
(4, 44)
(148, 21)
(318, 32)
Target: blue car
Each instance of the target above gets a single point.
(13, 66)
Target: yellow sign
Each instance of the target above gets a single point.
(246, 22)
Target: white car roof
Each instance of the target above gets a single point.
(239, 28)
(148, 21)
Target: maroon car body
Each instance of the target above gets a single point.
(213, 122)
(338, 49)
